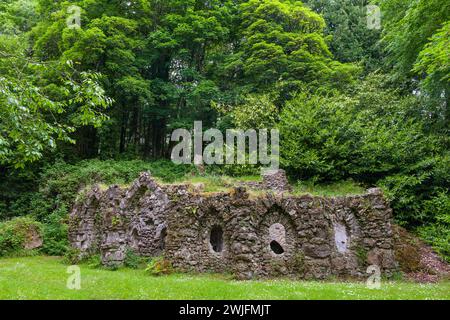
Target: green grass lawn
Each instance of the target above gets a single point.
(341, 188)
(46, 277)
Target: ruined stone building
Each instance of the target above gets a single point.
(252, 236)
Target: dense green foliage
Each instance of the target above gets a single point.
(349, 38)
(352, 103)
(364, 134)
(34, 117)
(14, 234)
(61, 182)
(160, 59)
(416, 37)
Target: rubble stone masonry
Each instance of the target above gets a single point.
(271, 234)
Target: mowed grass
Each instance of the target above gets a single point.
(46, 278)
(341, 188)
(222, 183)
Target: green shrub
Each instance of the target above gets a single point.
(55, 232)
(133, 261)
(63, 181)
(420, 193)
(15, 233)
(350, 136)
(93, 261)
(72, 256)
(437, 234)
(159, 266)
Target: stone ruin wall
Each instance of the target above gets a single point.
(269, 235)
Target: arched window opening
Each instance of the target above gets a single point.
(341, 237)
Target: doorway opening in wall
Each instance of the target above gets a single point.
(216, 239)
(162, 244)
(135, 239)
(276, 247)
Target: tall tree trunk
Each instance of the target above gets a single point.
(123, 131)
